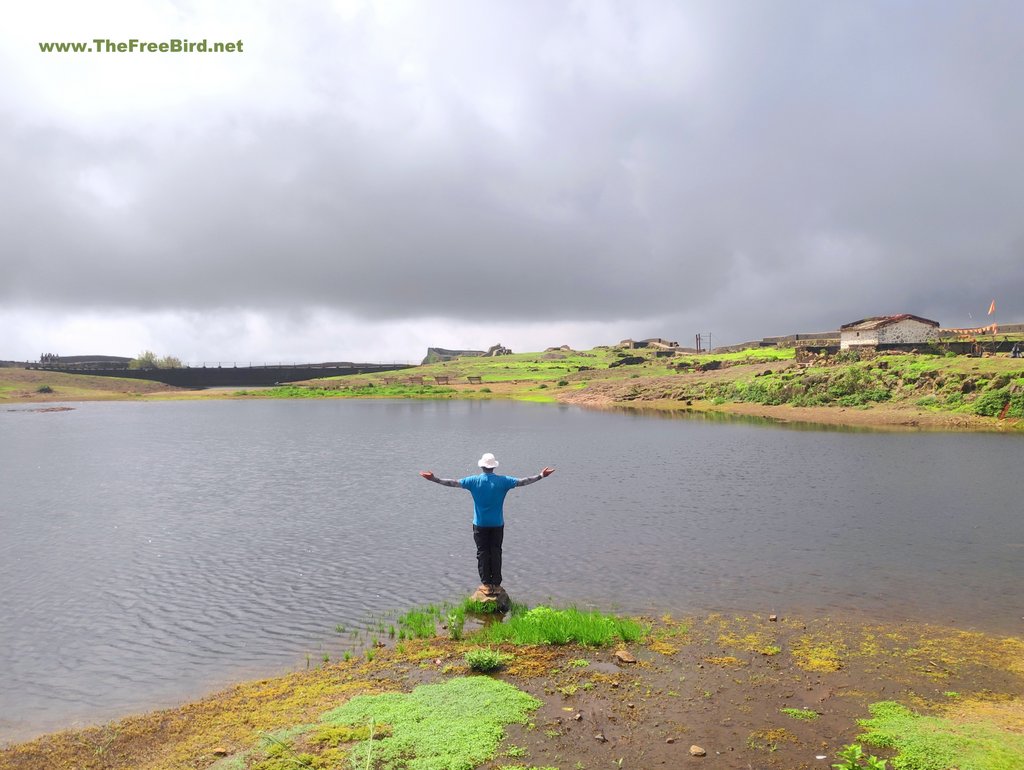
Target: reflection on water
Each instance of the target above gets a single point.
(150, 552)
(702, 415)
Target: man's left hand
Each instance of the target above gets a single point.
(547, 472)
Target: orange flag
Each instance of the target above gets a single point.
(992, 307)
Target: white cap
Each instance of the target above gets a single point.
(487, 461)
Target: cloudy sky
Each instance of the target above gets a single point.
(366, 179)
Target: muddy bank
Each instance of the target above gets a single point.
(614, 394)
(749, 691)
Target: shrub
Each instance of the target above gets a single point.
(991, 403)
(44, 389)
(562, 383)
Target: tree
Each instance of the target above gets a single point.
(144, 360)
(147, 359)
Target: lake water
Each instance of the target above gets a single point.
(152, 552)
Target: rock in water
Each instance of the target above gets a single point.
(498, 598)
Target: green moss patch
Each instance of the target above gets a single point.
(805, 714)
(456, 725)
(936, 743)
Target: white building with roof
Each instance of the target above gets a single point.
(902, 329)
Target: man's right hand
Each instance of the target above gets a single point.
(429, 475)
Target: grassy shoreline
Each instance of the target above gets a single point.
(890, 392)
(749, 690)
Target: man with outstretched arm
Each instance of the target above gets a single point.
(488, 490)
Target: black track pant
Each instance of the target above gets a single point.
(488, 553)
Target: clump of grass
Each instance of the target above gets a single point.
(281, 756)
(456, 724)
(486, 659)
(936, 743)
(419, 624)
(44, 389)
(544, 625)
(474, 607)
(805, 714)
(456, 623)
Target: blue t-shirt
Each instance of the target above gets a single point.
(488, 490)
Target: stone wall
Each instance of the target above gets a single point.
(852, 339)
(907, 332)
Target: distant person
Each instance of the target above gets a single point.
(488, 490)
(1015, 350)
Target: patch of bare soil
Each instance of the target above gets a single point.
(747, 691)
(39, 386)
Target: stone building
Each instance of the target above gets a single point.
(650, 342)
(902, 329)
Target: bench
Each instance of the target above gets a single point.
(474, 380)
(441, 380)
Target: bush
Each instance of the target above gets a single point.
(485, 660)
(562, 383)
(44, 389)
(991, 403)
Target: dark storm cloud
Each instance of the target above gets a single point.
(767, 167)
